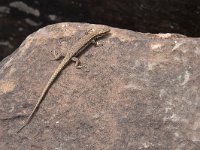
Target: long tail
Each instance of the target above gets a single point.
(64, 62)
(35, 108)
(44, 92)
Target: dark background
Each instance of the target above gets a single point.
(20, 18)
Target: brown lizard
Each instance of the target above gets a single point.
(75, 50)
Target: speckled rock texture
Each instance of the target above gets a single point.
(136, 92)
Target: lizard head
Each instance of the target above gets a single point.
(98, 31)
(103, 31)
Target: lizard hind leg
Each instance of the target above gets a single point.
(56, 55)
(77, 62)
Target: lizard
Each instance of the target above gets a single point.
(71, 55)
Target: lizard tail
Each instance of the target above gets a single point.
(33, 112)
(38, 103)
(44, 92)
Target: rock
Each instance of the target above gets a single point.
(137, 91)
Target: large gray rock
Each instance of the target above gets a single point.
(137, 91)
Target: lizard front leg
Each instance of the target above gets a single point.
(96, 44)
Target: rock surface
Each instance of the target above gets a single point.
(138, 91)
